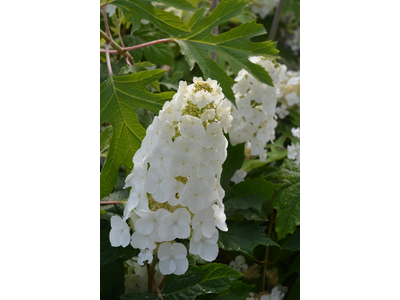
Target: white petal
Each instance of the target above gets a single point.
(181, 266)
(195, 247)
(178, 248)
(164, 251)
(172, 265)
(145, 226)
(164, 266)
(209, 252)
(208, 229)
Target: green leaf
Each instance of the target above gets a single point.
(171, 80)
(294, 268)
(294, 116)
(159, 54)
(138, 296)
(293, 243)
(181, 4)
(102, 212)
(137, 67)
(136, 10)
(105, 137)
(250, 193)
(244, 237)
(287, 199)
(294, 292)
(250, 214)
(232, 163)
(112, 280)
(274, 153)
(238, 291)
(120, 97)
(235, 44)
(209, 278)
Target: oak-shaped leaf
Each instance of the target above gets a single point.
(120, 97)
(234, 44)
(136, 10)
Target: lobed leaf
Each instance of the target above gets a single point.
(136, 10)
(235, 45)
(120, 97)
(287, 199)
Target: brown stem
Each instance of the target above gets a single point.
(110, 202)
(140, 46)
(148, 279)
(108, 59)
(156, 286)
(164, 280)
(272, 221)
(106, 21)
(118, 48)
(275, 22)
(150, 273)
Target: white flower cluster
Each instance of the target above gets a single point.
(294, 41)
(294, 149)
(263, 7)
(253, 120)
(290, 96)
(176, 191)
(276, 294)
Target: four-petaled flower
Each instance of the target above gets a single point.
(173, 258)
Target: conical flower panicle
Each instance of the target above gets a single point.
(176, 191)
(254, 119)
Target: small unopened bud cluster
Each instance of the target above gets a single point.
(254, 118)
(263, 7)
(176, 191)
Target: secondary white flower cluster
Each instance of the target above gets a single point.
(253, 120)
(290, 93)
(276, 294)
(294, 41)
(294, 149)
(176, 191)
(263, 7)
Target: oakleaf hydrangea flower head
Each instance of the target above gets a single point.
(175, 182)
(254, 119)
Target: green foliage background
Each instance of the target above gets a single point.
(263, 212)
